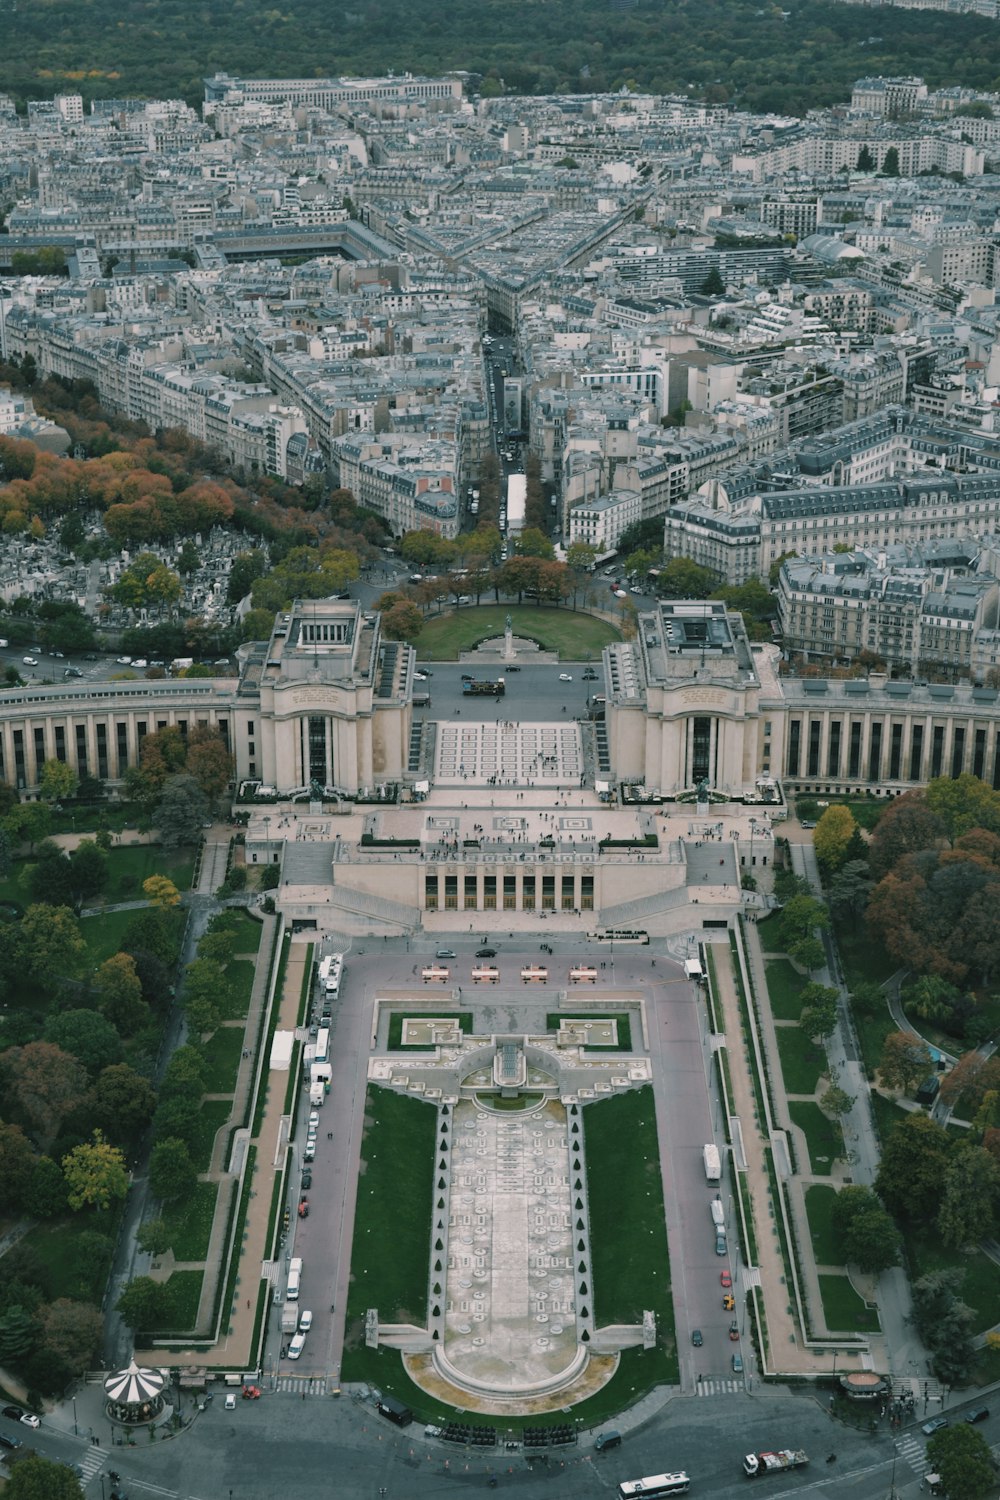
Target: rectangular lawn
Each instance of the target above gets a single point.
(802, 1063)
(784, 985)
(981, 1287)
(392, 1224)
(222, 1053)
(212, 1115)
(819, 1208)
(843, 1309)
(824, 1137)
(189, 1223)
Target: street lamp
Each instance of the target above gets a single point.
(76, 1432)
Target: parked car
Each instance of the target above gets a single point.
(14, 1412)
(696, 1338)
(305, 1320)
(8, 1442)
(734, 1331)
(565, 677)
(309, 1150)
(307, 1179)
(934, 1425)
(977, 1414)
(30, 1420)
(737, 1364)
(230, 1401)
(725, 1279)
(728, 1302)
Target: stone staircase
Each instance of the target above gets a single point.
(308, 863)
(631, 913)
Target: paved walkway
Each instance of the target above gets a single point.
(903, 1353)
(234, 1346)
(786, 1354)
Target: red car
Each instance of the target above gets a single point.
(304, 1209)
(726, 1279)
(734, 1330)
(251, 1393)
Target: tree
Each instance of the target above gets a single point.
(29, 822)
(906, 826)
(88, 869)
(809, 952)
(868, 997)
(713, 284)
(143, 1303)
(850, 889)
(153, 1236)
(962, 803)
(87, 1036)
(95, 1173)
(819, 1012)
(534, 543)
(171, 1171)
(968, 1203)
(161, 892)
(207, 994)
(46, 1196)
(209, 761)
(911, 1174)
(866, 162)
(57, 782)
(890, 162)
(72, 1330)
(180, 812)
(18, 1331)
(962, 1457)
(836, 1101)
(43, 1084)
(120, 994)
(403, 622)
(865, 1233)
(17, 1163)
(37, 1478)
(124, 1102)
(681, 578)
(49, 878)
(905, 1061)
(51, 943)
(832, 837)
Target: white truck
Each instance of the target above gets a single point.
(289, 1318)
(778, 1462)
(718, 1214)
(713, 1164)
(317, 1093)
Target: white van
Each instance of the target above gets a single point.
(294, 1277)
(297, 1345)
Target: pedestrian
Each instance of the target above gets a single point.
(248, 1302)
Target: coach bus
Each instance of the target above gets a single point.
(654, 1486)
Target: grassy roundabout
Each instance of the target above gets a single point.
(574, 635)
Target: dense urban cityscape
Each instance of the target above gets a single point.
(499, 791)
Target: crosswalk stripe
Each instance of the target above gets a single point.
(91, 1461)
(718, 1387)
(311, 1386)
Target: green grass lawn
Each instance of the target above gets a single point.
(189, 1223)
(389, 1270)
(819, 1208)
(222, 1053)
(183, 1296)
(211, 1116)
(396, 1043)
(843, 1309)
(103, 934)
(802, 1063)
(240, 973)
(872, 1032)
(72, 1256)
(554, 1020)
(629, 1257)
(981, 1286)
(246, 930)
(825, 1138)
(784, 985)
(129, 867)
(574, 635)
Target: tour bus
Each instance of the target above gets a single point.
(322, 1045)
(485, 974)
(654, 1486)
(583, 975)
(434, 974)
(534, 974)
